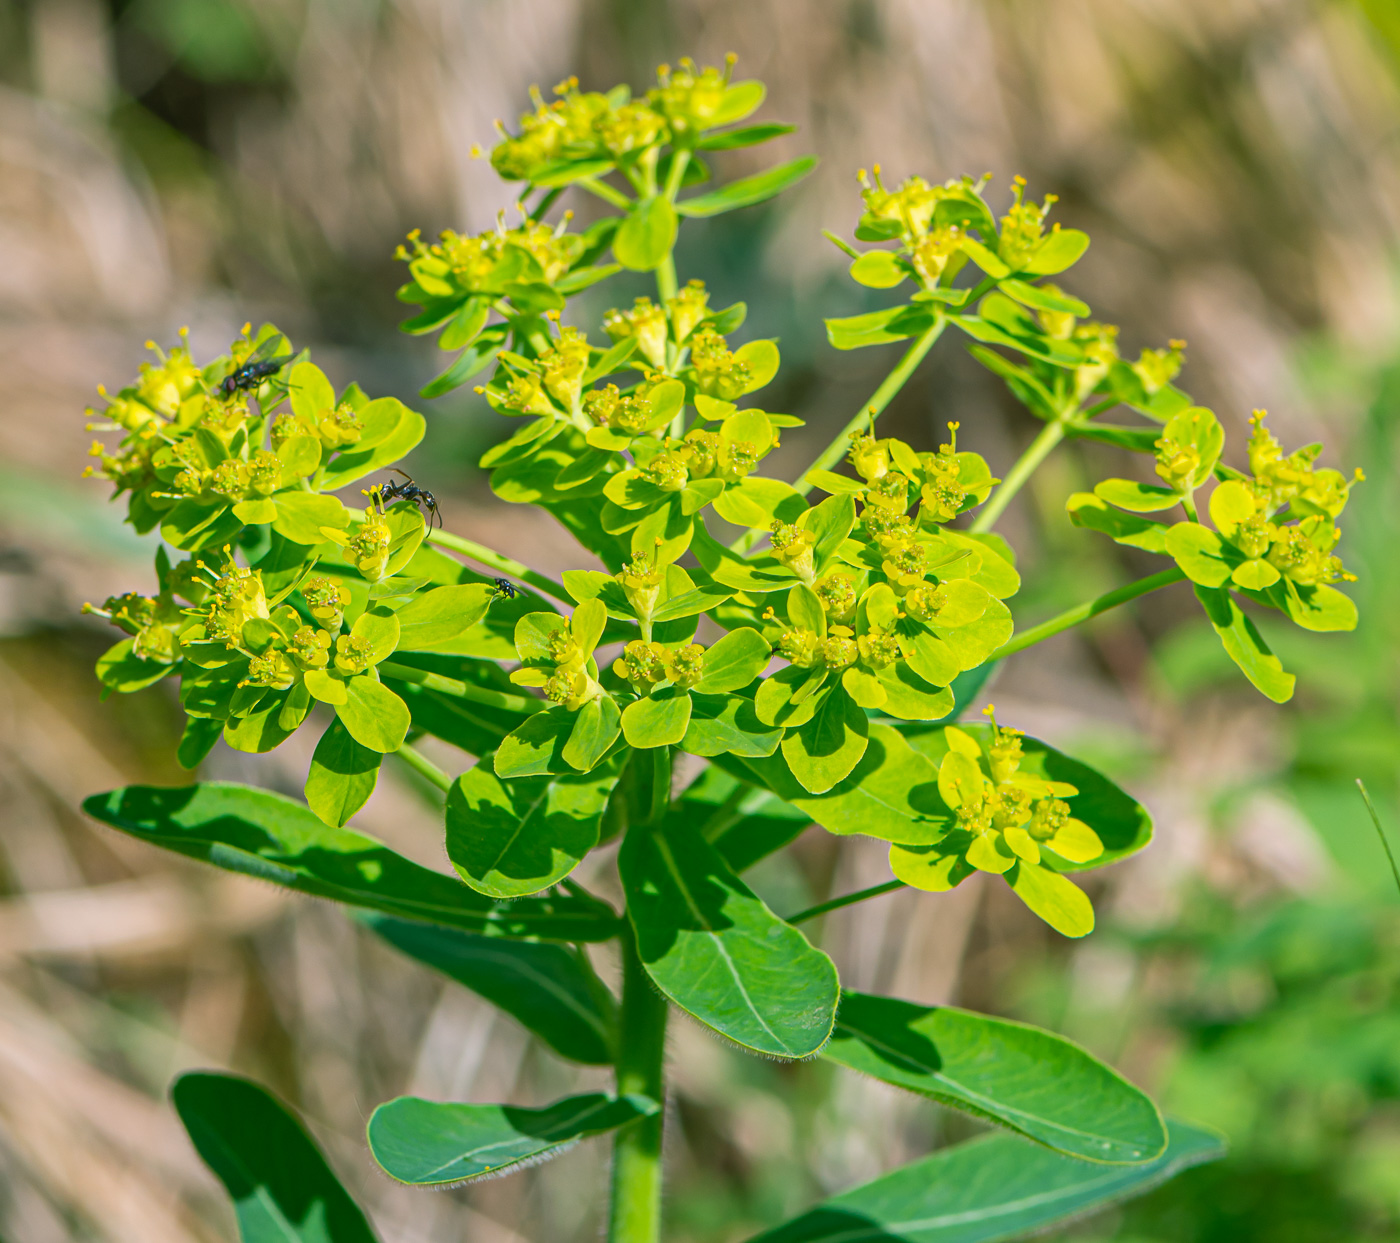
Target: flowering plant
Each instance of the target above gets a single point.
(854, 630)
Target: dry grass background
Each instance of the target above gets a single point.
(167, 162)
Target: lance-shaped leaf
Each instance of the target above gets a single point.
(282, 1189)
(1245, 645)
(508, 838)
(261, 834)
(993, 1188)
(1019, 1076)
(748, 190)
(434, 1144)
(717, 951)
(546, 987)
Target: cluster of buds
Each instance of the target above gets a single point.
(648, 665)
(236, 597)
(1293, 480)
(557, 654)
(1002, 816)
(1299, 551)
(1023, 226)
(485, 263)
(154, 623)
(654, 327)
(718, 373)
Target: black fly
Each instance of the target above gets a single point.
(505, 589)
(258, 367)
(411, 492)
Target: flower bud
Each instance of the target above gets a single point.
(327, 601)
(685, 666)
(687, 309)
(642, 664)
(353, 654)
(839, 649)
(717, 372)
(799, 646)
(647, 323)
(792, 545)
(838, 596)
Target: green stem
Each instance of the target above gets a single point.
(1083, 612)
(635, 1213)
(1050, 435)
(881, 398)
(849, 899)
(462, 690)
(1380, 832)
(605, 192)
(424, 767)
(494, 560)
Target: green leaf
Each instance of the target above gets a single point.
(878, 269)
(1138, 498)
(824, 750)
(476, 357)
(658, 720)
(443, 614)
(466, 325)
(282, 1189)
(596, 728)
(728, 724)
(1122, 824)
(120, 669)
(1024, 1078)
(546, 988)
(1087, 510)
(1043, 299)
(1056, 899)
(261, 834)
(986, 259)
(1245, 645)
(511, 838)
(1060, 250)
(896, 323)
(310, 393)
(989, 1189)
(342, 777)
(747, 136)
(536, 746)
(761, 358)
(198, 739)
(404, 430)
(646, 236)
(1201, 554)
(1320, 608)
(375, 717)
(738, 101)
(733, 662)
(749, 190)
(437, 1144)
(717, 951)
(909, 698)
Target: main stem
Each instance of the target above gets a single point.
(879, 399)
(1083, 612)
(1050, 435)
(635, 1212)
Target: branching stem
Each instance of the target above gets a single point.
(461, 690)
(494, 560)
(424, 767)
(1050, 435)
(1083, 612)
(849, 899)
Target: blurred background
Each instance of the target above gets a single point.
(206, 162)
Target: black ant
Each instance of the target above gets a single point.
(412, 493)
(505, 589)
(256, 369)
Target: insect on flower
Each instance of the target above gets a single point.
(411, 492)
(259, 367)
(504, 589)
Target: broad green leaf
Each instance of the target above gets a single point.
(438, 1144)
(375, 717)
(282, 1189)
(805, 611)
(1043, 299)
(342, 777)
(261, 834)
(733, 662)
(878, 269)
(1320, 608)
(1061, 249)
(909, 698)
(1245, 645)
(762, 360)
(407, 430)
(728, 724)
(536, 746)
(1056, 899)
(310, 393)
(1122, 824)
(989, 1189)
(986, 259)
(476, 357)
(739, 100)
(646, 236)
(891, 794)
(260, 730)
(748, 136)
(824, 750)
(1087, 510)
(1024, 1078)
(596, 727)
(895, 323)
(1198, 427)
(545, 987)
(657, 720)
(443, 614)
(717, 951)
(1201, 554)
(301, 515)
(1138, 498)
(790, 696)
(198, 739)
(749, 190)
(120, 669)
(511, 838)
